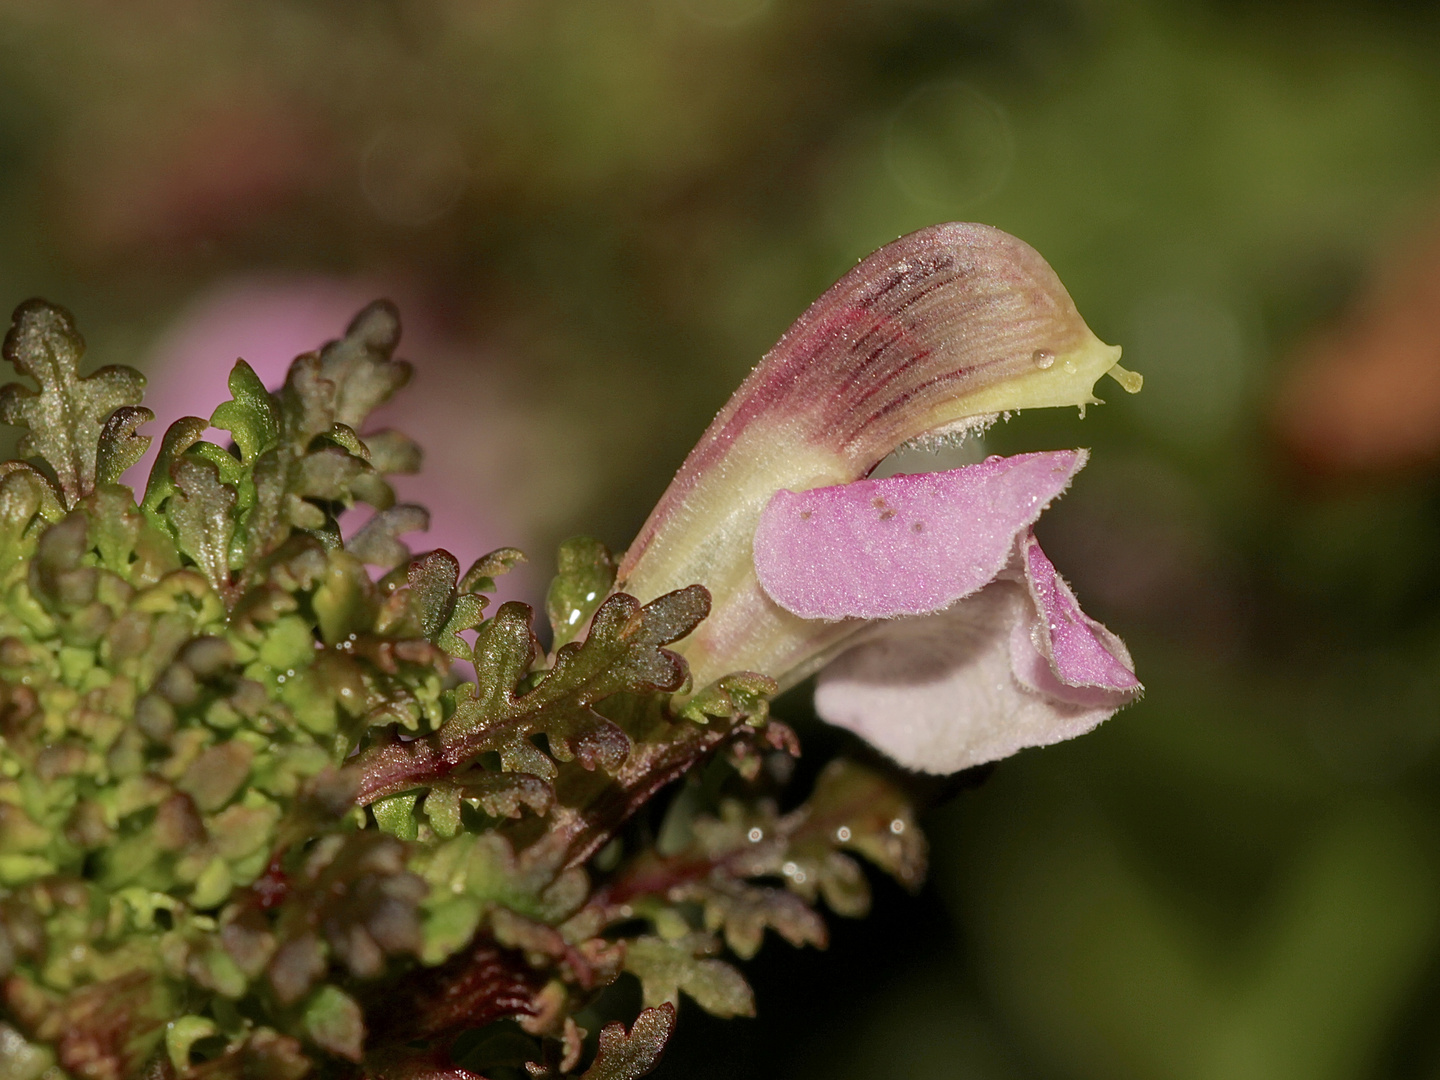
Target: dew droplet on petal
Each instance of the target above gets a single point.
(1043, 358)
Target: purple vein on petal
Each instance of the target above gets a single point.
(891, 351)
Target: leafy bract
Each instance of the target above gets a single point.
(583, 579)
(499, 714)
(120, 446)
(628, 1055)
(250, 415)
(665, 968)
(257, 819)
(64, 418)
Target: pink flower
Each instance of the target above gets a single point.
(946, 637)
(996, 654)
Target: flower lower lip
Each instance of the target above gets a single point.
(975, 648)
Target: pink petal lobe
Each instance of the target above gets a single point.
(1017, 664)
(938, 693)
(1080, 652)
(904, 545)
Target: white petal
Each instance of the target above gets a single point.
(939, 693)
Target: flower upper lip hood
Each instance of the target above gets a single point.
(938, 331)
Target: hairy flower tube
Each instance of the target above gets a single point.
(936, 333)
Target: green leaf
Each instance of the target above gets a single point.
(58, 575)
(23, 1060)
(355, 890)
(504, 650)
(345, 602)
(396, 815)
(629, 1056)
(502, 795)
(201, 511)
(344, 436)
(179, 437)
(28, 503)
(120, 447)
(215, 776)
(844, 887)
(744, 911)
(65, 418)
(265, 526)
(345, 381)
(872, 816)
(586, 573)
(391, 452)
(623, 653)
(250, 416)
(328, 473)
(183, 1033)
(741, 696)
(360, 363)
(227, 465)
(432, 590)
(334, 1021)
(666, 968)
(377, 542)
(268, 1055)
(442, 808)
(481, 576)
(467, 613)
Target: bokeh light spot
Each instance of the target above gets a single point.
(412, 177)
(949, 146)
(1192, 351)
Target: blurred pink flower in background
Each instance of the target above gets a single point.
(1363, 393)
(474, 444)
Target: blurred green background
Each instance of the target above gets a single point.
(597, 214)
